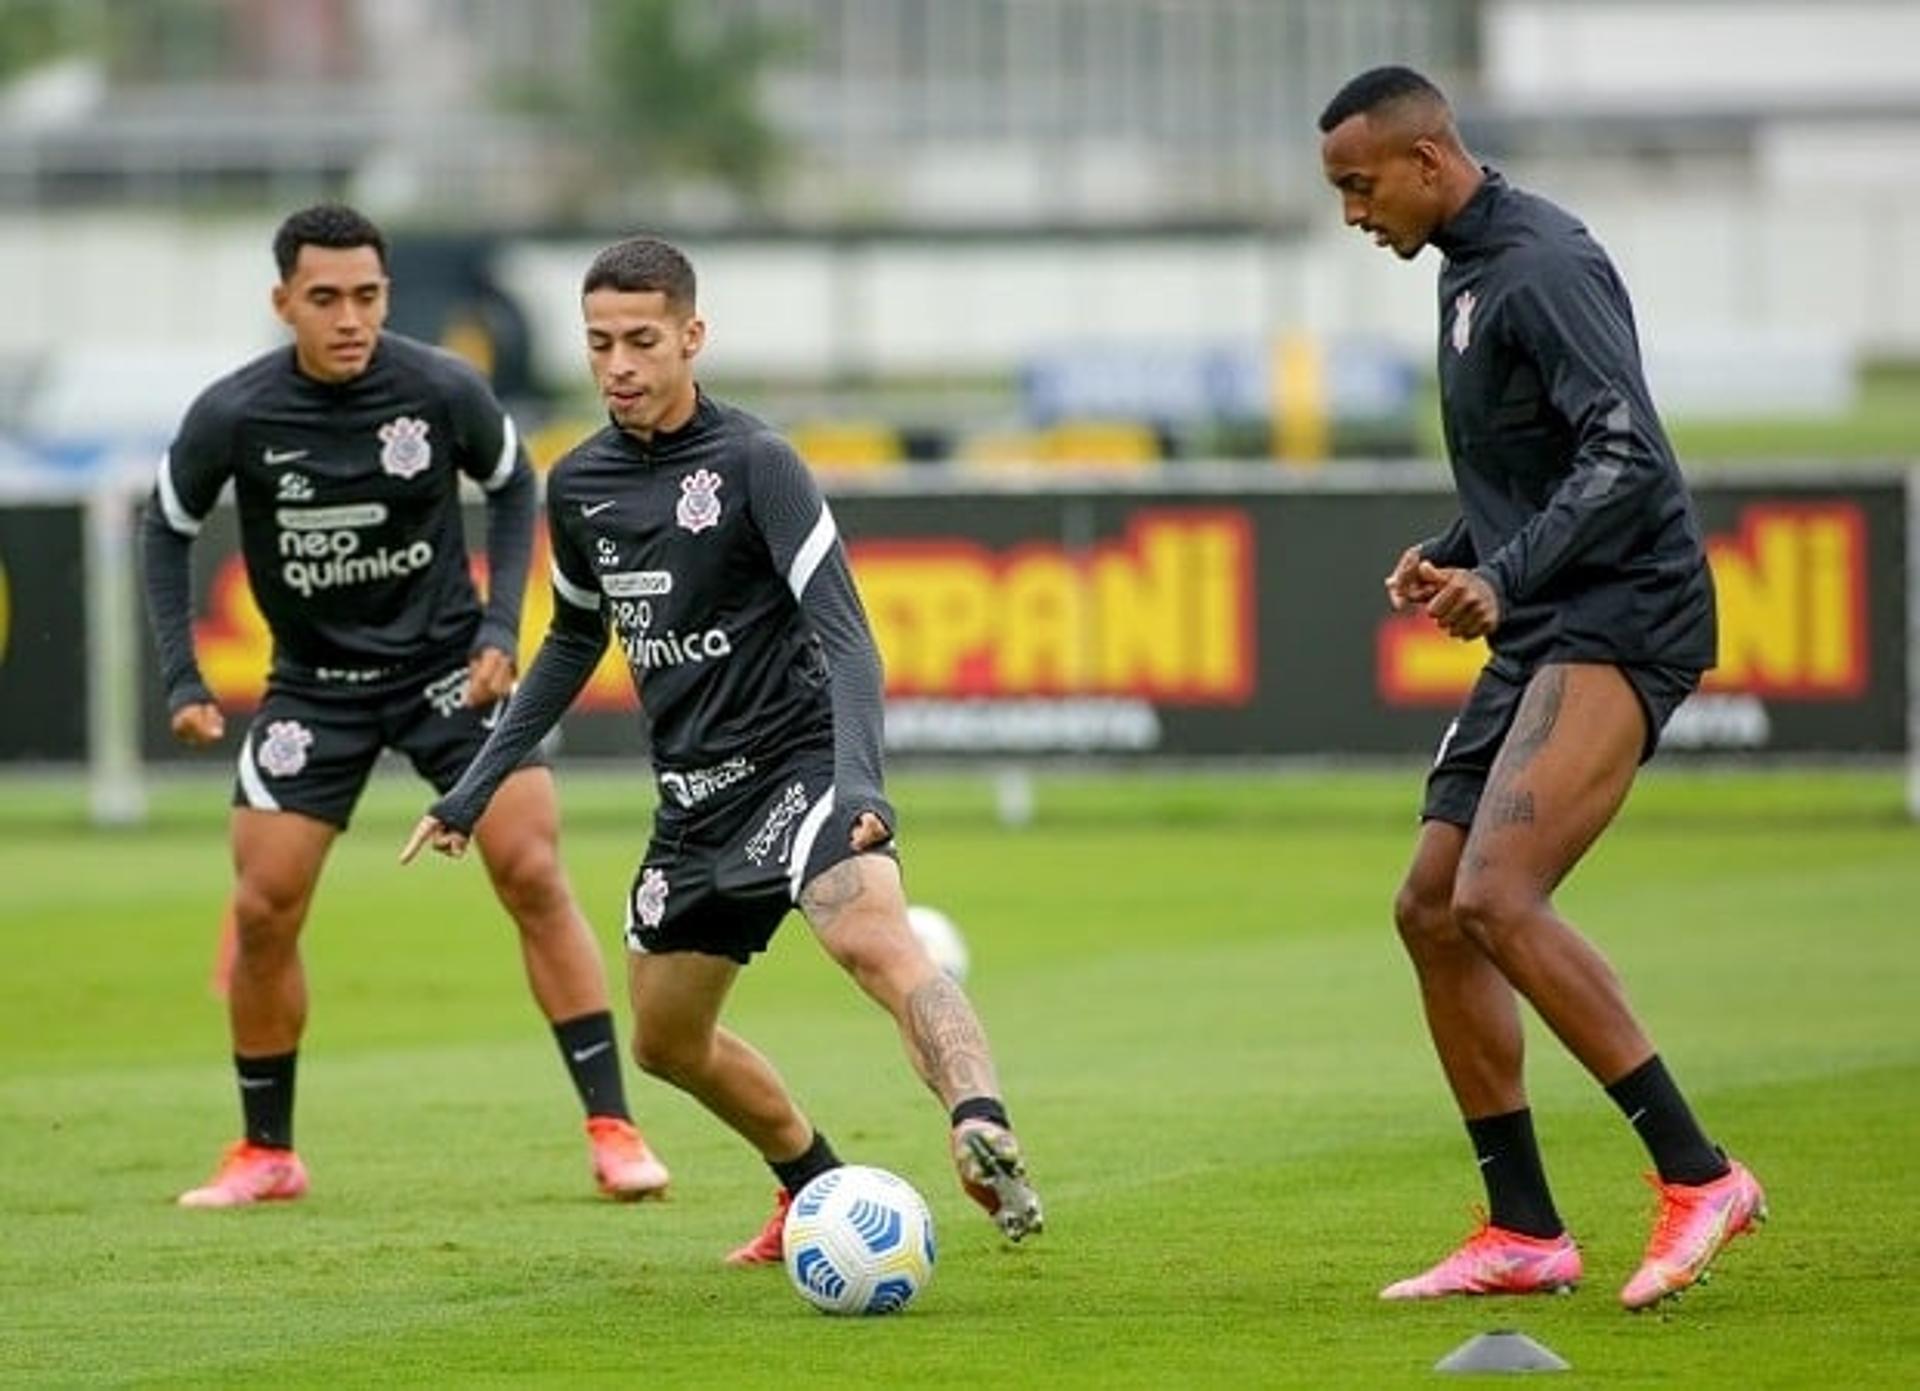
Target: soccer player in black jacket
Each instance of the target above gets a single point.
(698, 536)
(345, 451)
(1578, 558)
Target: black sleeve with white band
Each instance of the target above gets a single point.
(493, 457)
(787, 507)
(191, 474)
(560, 671)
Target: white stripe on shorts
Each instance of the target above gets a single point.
(803, 842)
(250, 782)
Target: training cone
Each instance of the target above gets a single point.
(1502, 1351)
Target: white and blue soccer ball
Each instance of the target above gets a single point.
(941, 938)
(859, 1240)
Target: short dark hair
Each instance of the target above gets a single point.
(325, 224)
(642, 264)
(1375, 88)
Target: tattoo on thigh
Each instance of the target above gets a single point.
(1509, 808)
(830, 891)
(948, 1034)
(1539, 712)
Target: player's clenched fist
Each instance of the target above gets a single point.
(1405, 585)
(1463, 603)
(200, 723)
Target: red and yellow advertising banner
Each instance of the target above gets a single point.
(1141, 620)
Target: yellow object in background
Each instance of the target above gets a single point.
(1302, 429)
(848, 446)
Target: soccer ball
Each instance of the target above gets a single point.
(941, 939)
(859, 1241)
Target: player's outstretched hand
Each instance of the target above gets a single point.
(199, 724)
(489, 677)
(1464, 604)
(1406, 586)
(430, 831)
(869, 832)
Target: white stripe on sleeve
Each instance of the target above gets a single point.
(812, 551)
(176, 513)
(509, 452)
(573, 593)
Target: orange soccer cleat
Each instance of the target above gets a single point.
(623, 1166)
(768, 1246)
(1695, 1223)
(1497, 1261)
(250, 1173)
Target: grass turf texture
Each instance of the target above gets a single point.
(1210, 1040)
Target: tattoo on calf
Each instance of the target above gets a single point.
(1508, 808)
(948, 1034)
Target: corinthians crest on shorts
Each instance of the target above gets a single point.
(284, 751)
(404, 450)
(650, 899)
(699, 506)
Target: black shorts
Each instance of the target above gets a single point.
(312, 754)
(721, 873)
(1467, 750)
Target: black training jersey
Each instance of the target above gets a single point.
(711, 554)
(349, 509)
(1573, 505)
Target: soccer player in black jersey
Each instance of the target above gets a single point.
(697, 534)
(345, 451)
(1578, 558)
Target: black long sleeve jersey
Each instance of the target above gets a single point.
(1573, 505)
(714, 558)
(349, 504)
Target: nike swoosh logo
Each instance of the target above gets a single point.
(592, 1050)
(282, 456)
(594, 510)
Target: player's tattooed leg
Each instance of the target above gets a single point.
(829, 893)
(948, 1035)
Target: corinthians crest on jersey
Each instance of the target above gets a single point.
(404, 450)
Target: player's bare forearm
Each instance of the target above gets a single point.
(947, 1034)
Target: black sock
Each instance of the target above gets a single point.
(266, 1098)
(1517, 1195)
(592, 1057)
(981, 1108)
(795, 1174)
(1654, 1107)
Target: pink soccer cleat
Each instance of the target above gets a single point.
(250, 1173)
(623, 1166)
(1695, 1223)
(1497, 1261)
(769, 1245)
(993, 1174)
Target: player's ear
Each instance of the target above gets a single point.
(282, 301)
(695, 338)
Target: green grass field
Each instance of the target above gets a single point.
(1209, 1037)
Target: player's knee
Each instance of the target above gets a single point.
(529, 882)
(1490, 908)
(671, 1059)
(266, 916)
(1425, 919)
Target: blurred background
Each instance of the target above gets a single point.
(1050, 291)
